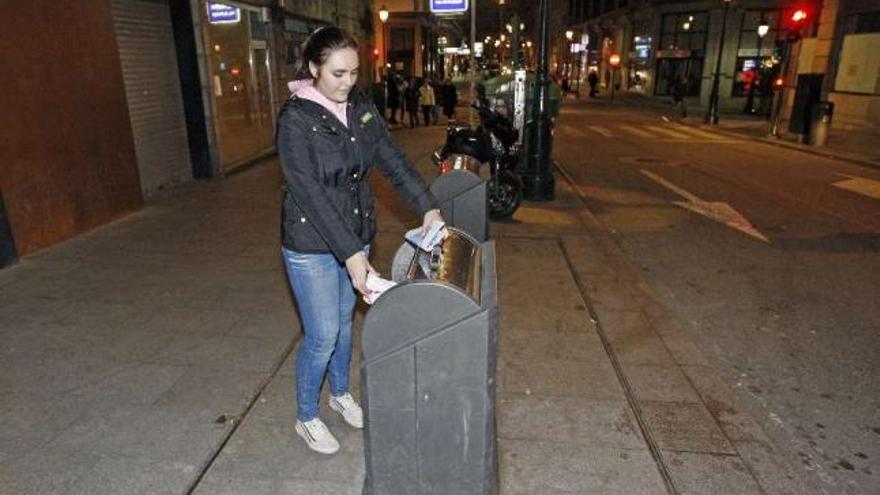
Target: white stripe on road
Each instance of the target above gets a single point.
(601, 130)
(668, 132)
(860, 185)
(636, 131)
(699, 133)
(717, 211)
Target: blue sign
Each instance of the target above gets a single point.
(219, 13)
(449, 6)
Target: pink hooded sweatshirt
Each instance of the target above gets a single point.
(305, 88)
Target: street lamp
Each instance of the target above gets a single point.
(762, 31)
(383, 17)
(712, 113)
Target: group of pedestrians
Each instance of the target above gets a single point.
(406, 96)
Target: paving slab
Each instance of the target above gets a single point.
(588, 422)
(561, 378)
(699, 474)
(529, 468)
(685, 427)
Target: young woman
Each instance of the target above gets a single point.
(329, 137)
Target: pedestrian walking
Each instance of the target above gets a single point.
(435, 110)
(448, 99)
(411, 102)
(593, 81)
(427, 101)
(679, 91)
(327, 219)
(393, 98)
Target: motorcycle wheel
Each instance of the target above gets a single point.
(505, 195)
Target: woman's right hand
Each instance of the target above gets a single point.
(358, 267)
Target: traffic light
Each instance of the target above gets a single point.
(778, 83)
(375, 54)
(796, 22)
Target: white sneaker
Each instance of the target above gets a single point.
(317, 436)
(349, 409)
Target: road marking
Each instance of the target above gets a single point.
(636, 131)
(860, 185)
(601, 130)
(668, 132)
(699, 133)
(717, 211)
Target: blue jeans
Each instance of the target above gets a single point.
(325, 298)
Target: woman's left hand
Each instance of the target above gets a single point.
(430, 217)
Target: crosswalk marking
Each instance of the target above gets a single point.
(601, 130)
(699, 133)
(636, 131)
(860, 185)
(668, 132)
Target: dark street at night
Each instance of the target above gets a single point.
(440, 247)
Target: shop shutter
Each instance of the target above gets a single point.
(152, 87)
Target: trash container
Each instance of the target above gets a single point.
(500, 91)
(462, 195)
(820, 122)
(428, 371)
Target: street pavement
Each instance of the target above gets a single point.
(768, 255)
(155, 354)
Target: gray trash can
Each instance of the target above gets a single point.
(428, 371)
(462, 195)
(820, 122)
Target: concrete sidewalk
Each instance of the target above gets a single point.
(154, 355)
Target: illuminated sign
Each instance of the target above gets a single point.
(449, 6)
(219, 13)
(642, 46)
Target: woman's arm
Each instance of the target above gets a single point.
(401, 173)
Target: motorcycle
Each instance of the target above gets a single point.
(493, 142)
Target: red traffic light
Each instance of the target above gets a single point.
(376, 52)
(614, 60)
(799, 16)
(778, 82)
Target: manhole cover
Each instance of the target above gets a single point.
(648, 160)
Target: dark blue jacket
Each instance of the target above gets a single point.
(328, 206)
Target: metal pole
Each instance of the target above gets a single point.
(750, 100)
(779, 97)
(538, 181)
(473, 59)
(712, 114)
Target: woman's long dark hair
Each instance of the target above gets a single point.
(318, 47)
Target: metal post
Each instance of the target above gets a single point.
(538, 181)
(779, 97)
(712, 113)
(750, 98)
(473, 59)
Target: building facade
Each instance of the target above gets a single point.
(129, 97)
(661, 42)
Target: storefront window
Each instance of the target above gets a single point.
(757, 57)
(241, 85)
(681, 52)
(639, 64)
